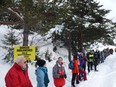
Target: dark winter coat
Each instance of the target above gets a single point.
(16, 77)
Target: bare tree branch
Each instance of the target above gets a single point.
(16, 14)
(8, 23)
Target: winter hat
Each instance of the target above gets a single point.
(41, 62)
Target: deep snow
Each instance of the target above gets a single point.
(105, 77)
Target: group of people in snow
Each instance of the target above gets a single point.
(90, 60)
(17, 76)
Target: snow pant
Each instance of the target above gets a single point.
(98, 61)
(74, 75)
(90, 66)
(84, 66)
(81, 71)
(95, 64)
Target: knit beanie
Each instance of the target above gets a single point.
(41, 62)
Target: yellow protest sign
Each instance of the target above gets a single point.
(27, 51)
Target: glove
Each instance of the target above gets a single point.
(65, 76)
(61, 76)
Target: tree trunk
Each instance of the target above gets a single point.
(80, 41)
(25, 36)
(69, 54)
(80, 37)
(69, 48)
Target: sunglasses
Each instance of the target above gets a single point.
(25, 61)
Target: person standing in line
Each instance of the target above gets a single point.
(81, 69)
(111, 51)
(41, 74)
(90, 58)
(115, 49)
(59, 74)
(75, 71)
(17, 76)
(101, 57)
(96, 60)
(83, 61)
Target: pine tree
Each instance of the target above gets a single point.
(10, 39)
(48, 55)
(30, 15)
(84, 23)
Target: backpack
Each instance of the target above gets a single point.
(71, 65)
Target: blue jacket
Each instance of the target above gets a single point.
(42, 77)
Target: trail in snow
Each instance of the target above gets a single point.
(105, 77)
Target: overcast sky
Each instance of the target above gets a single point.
(110, 5)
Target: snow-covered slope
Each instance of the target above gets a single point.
(105, 77)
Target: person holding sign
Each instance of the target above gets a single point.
(17, 76)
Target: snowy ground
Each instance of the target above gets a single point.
(105, 77)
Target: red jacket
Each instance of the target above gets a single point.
(58, 70)
(16, 77)
(76, 69)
